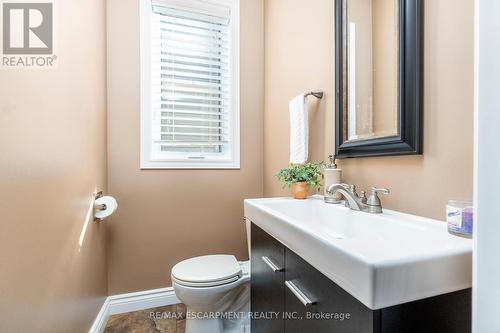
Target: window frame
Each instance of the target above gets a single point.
(146, 109)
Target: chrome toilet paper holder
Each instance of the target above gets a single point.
(103, 206)
(97, 195)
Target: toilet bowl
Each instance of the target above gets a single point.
(216, 292)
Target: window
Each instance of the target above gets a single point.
(190, 84)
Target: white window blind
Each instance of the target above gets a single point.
(194, 113)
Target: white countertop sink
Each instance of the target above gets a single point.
(380, 259)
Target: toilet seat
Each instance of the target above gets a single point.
(207, 271)
(205, 284)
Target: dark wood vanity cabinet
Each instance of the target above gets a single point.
(277, 309)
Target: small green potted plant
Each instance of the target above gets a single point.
(301, 178)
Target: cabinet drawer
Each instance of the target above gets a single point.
(332, 308)
(268, 288)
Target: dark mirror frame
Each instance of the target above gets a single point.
(409, 141)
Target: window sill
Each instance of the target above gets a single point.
(189, 166)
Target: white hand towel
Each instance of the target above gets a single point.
(299, 130)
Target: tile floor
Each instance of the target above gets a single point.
(166, 319)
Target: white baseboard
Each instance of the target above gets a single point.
(141, 300)
(101, 319)
(133, 302)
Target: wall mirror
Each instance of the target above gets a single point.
(379, 77)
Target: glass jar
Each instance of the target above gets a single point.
(460, 217)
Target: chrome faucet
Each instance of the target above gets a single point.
(359, 202)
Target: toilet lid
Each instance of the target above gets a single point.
(205, 269)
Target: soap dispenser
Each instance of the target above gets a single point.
(333, 175)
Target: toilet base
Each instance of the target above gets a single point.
(198, 325)
(202, 325)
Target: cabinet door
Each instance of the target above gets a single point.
(267, 292)
(450, 313)
(329, 300)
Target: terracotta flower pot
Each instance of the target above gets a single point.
(300, 190)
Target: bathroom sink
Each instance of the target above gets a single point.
(381, 259)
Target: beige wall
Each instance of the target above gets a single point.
(52, 134)
(299, 56)
(169, 215)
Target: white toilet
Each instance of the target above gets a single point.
(216, 292)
